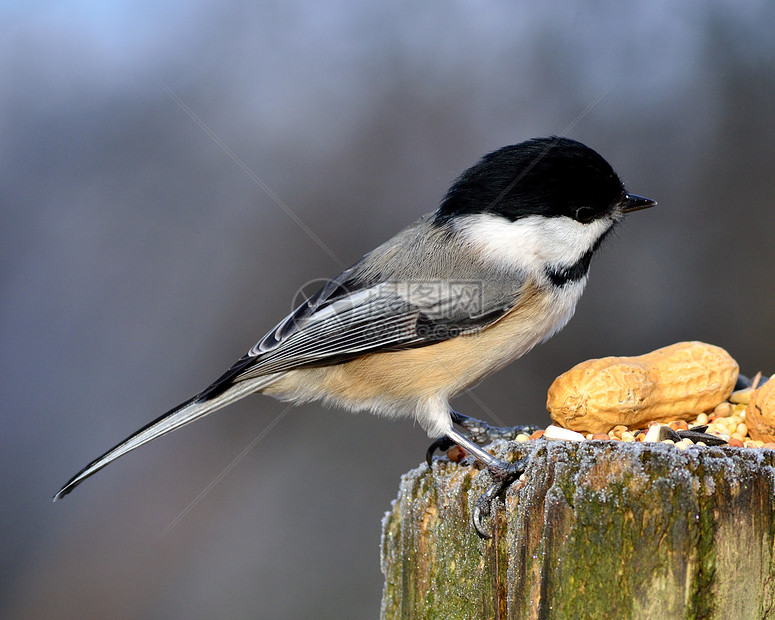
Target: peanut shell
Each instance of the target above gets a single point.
(760, 413)
(673, 383)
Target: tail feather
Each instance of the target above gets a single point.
(193, 409)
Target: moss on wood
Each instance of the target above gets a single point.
(595, 530)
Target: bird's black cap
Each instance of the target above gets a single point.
(552, 176)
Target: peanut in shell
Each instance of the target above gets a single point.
(673, 383)
(760, 413)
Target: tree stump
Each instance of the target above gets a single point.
(593, 530)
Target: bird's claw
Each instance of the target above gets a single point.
(483, 508)
(442, 444)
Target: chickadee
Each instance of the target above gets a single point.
(457, 295)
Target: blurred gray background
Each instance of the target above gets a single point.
(139, 259)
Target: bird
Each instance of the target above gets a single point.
(457, 295)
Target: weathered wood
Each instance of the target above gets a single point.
(594, 530)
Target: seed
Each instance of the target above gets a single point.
(557, 432)
(652, 434)
(616, 431)
(522, 438)
(702, 418)
(736, 443)
(723, 410)
(456, 454)
(741, 396)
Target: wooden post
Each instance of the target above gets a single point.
(594, 530)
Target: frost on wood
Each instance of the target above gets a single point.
(596, 529)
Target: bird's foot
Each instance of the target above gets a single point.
(503, 473)
(504, 477)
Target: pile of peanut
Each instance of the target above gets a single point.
(682, 386)
(727, 421)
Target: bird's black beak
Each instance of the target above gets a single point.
(633, 202)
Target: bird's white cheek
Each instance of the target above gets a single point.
(532, 242)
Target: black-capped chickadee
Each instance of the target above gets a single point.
(459, 294)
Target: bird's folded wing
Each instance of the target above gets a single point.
(387, 316)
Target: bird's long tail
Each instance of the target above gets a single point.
(193, 409)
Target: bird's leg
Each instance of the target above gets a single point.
(503, 472)
(478, 431)
(482, 433)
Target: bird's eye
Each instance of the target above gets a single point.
(585, 214)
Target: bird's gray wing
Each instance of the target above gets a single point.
(339, 323)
